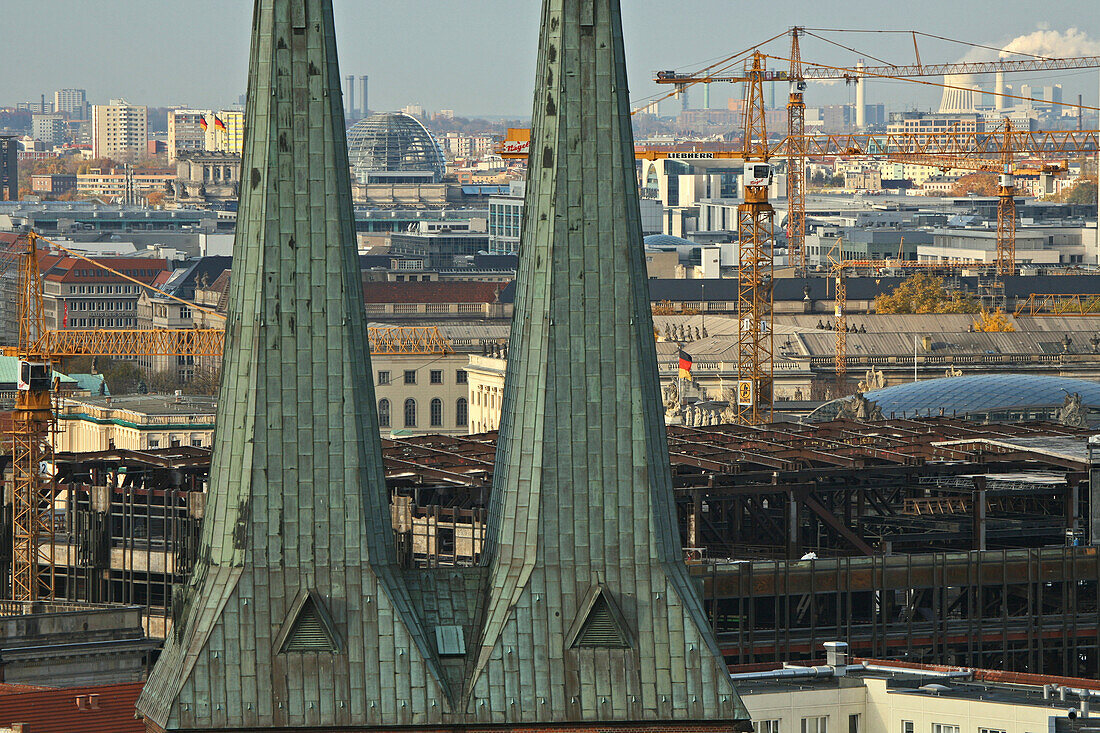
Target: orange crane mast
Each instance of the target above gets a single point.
(34, 416)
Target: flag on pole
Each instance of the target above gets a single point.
(65, 317)
(685, 365)
(218, 124)
(203, 123)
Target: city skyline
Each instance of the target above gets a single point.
(188, 69)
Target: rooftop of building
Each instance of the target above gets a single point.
(150, 404)
(981, 393)
(433, 292)
(921, 680)
(73, 270)
(95, 709)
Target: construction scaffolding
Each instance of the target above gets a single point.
(933, 540)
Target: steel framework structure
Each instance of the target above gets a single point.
(32, 500)
(755, 227)
(936, 538)
(796, 161)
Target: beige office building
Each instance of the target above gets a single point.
(119, 130)
(422, 393)
(135, 422)
(185, 133)
(871, 696)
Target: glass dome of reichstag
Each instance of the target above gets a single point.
(394, 143)
(992, 396)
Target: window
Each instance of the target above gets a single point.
(436, 376)
(766, 726)
(461, 377)
(437, 413)
(383, 377)
(383, 413)
(410, 418)
(154, 442)
(462, 413)
(853, 723)
(410, 376)
(944, 728)
(907, 726)
(816, 724)
(991, 730)
(196, 442)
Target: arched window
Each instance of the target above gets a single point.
(410, 413)
(437, 413)
(462, 412)
(383, 413)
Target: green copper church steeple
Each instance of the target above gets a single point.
(586, 573)
(582, 613)
(296, 615)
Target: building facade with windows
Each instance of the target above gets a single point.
(225, 131)
(135, 422)
(73, 103)
(120, 130)
(76, 294)
(419, 394)
(185, 133)
(49, 128)
(870, 696)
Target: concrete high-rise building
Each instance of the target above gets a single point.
(71, 102)
(581, 614)
(49, 128)
(364, 105)
(120, 130)
(185, 132)
(225, 131)
(350, 109)
(9, 168)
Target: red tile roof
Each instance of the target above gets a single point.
(99, 709)
(432, 292)
(14, 689)
(70, 269)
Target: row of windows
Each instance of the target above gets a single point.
(435, 413)
(102, 305)
(100, 322)
(173, 442)
(820, 724)
(141, 272)
(435, 376)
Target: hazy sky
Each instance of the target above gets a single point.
(478, 56)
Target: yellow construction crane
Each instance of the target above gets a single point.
(993, 150)
(840, 304)
(756, 237)
(34, 417)
(797, 149)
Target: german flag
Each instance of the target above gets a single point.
(203, 123)
(218, 124)
(685, 365)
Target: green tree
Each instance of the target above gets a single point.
(925, 293)
(1083, 193)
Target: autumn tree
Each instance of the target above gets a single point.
(982, 184)
(993, 322)
(925, 293)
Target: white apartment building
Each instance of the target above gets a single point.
(185, 133)
(73, 103)
(120, 130)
